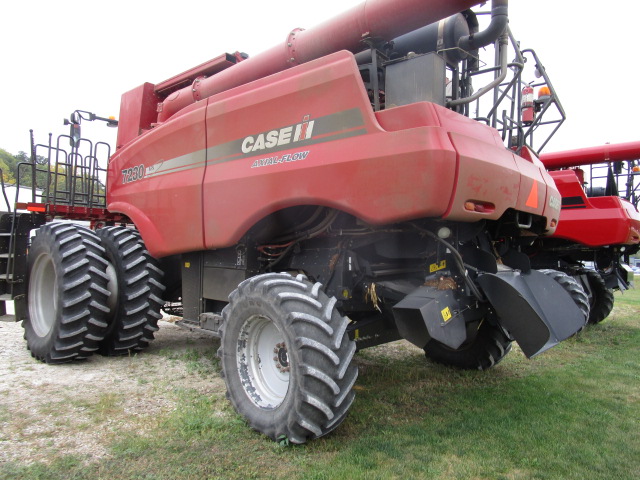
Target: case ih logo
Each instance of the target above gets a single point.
(276, 138)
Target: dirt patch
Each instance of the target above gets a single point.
(47, 411)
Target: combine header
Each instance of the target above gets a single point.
(325, 196)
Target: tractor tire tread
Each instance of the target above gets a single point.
(140, 288)
(81, 292)
(322, 371)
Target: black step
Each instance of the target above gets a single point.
(194, 327)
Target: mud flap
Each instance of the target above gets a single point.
(533, 308)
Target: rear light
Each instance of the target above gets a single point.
(480, 207)
(36, 208)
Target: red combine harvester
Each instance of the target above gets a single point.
(598, 224)
(327, 195)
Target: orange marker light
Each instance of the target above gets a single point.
(544, 92)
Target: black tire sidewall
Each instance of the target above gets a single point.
(602, 299)
(486, 350)
(114, 259)
(41, 346)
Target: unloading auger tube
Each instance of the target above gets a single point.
(375, 19)
(591, 155)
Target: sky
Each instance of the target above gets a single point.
(56, 57)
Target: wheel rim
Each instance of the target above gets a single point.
(112, 286)
(263, 362)
(43, 301)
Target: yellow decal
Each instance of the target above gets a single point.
(187, 264)
(446, 314)
(434, 267)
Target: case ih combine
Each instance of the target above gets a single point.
(324, 196)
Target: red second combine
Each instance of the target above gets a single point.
(599, 222)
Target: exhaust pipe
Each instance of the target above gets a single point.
(499, 21)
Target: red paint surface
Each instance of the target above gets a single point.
(409, 162)
(603, 221)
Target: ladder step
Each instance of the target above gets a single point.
(5, 297)
(5, 255)
(7, 318)
(6, 276)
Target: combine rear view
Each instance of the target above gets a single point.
(327, 195)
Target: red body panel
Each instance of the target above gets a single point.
(137, 113)
(591, 155)
(308, 136)
(594, 221)
(166, 208)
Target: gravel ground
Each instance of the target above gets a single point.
(47, 411)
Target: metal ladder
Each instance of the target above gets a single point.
(15, 229)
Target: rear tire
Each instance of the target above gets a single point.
(486, 350)
(573, 288)
(601, 298)
(67, 293)
(286, 357)
(135, 283)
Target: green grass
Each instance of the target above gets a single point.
(571, 413)
(203, 363)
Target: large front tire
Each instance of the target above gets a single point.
(487, 347)
(286, 357)
(67, 293)
(136, 287)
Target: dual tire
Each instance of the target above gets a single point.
(135, 283)
(67, 294)
(89, 293)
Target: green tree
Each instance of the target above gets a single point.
(7, 165)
